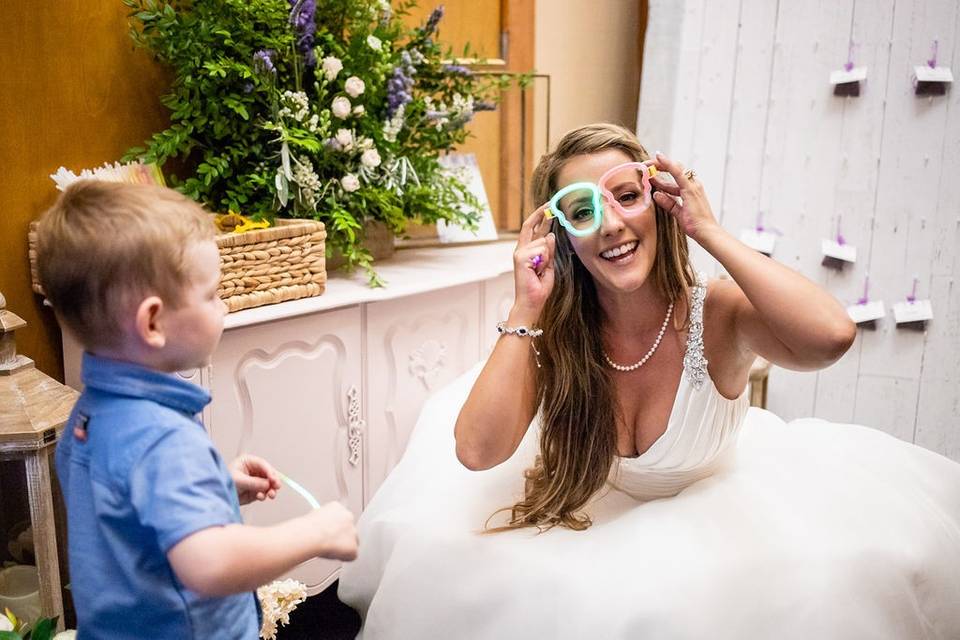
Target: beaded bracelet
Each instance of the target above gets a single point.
(523, 332)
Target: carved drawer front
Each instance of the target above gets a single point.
(498, 297)
(415, 345)
(289, 391)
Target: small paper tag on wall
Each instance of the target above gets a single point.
(837, 251)
(866, 312)
(925, 73)
(916, 311)
(842, 76)
(762, 241)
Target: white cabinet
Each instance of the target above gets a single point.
(416, 345)
(289, 391)
(329, 388)
(497, 300)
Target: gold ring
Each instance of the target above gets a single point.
(689, 174)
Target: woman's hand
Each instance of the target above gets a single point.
(686, 200)
(533, 267)
(255, 478)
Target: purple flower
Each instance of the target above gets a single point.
(457, 69)
(303, 20)
(263, 61)
(432, 21)
(400, 84)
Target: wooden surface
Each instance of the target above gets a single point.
(33, 407)
(517, 125)
(496, 136)
(73, 92)
(751, 109)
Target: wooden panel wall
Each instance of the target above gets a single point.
(73, 92)
(746, 101)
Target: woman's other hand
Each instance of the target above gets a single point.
(533, 270)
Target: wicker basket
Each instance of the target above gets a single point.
(264, 266)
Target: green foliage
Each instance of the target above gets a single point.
(282, 137)
(42, 629)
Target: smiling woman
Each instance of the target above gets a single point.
(664, 506)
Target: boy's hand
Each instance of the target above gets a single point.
(256, 479)
(333, 522)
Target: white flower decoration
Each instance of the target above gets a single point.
(354, 86)
(344, 138)
(5, 624)
(277, 601)
(358, 110)
(341, 107)
(374, 42)
(370, 158)
(331, 67)
(350, 183)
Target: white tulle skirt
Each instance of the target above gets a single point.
(813, 530)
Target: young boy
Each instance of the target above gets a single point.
(156, 543)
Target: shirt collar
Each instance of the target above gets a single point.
(136, 381)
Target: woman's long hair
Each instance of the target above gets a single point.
(578, 406)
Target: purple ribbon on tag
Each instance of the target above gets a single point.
(932, 62)
(849, 64)
(866, 288)
(760, 228)
(913, 294)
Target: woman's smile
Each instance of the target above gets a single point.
(622, 253)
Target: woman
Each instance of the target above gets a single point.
(640, 513)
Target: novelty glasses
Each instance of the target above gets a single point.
(578, 207)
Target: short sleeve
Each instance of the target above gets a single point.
(180, 486)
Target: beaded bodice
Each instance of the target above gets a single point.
(701, 430)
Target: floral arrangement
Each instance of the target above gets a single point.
(330, 109)
(277, 600)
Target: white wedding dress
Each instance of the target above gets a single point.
(734, 525)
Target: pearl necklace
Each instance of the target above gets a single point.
(643, 360)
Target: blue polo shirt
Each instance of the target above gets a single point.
(144, 477)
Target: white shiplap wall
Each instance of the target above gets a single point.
(738, 89)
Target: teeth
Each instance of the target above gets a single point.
(619, 251)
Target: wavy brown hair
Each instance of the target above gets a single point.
(578, 407)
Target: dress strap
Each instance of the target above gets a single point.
(694, 363)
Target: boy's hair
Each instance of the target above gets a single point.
(105, 246)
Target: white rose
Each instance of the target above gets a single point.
(331, 67)
(341, 107)
(359, 110)
(5, 624)
(374, 42)
(350, 183)
(344, 138)
(370, 158)
(354, 86)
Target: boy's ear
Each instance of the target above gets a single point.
(147, 322)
